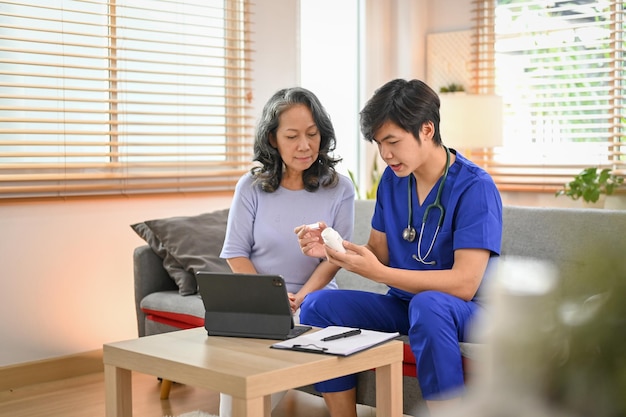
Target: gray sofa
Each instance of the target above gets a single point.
(552, 234)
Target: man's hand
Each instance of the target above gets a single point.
(358, 259)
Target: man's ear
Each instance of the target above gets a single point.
(428, 130)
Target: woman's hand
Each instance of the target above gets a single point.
(310, 240)
(293, 303)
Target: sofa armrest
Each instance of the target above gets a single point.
(149, 277)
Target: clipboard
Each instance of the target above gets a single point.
(312, 342)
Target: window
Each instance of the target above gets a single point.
(559, 67)
(123, 96)
(336, 84)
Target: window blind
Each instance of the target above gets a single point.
(123, 96)
(559, 67)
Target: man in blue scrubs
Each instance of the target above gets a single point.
(433, 264)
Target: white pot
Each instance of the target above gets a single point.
(615, 202)
(597, 205)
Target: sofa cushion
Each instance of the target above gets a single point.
(169, 307)
(187, 244)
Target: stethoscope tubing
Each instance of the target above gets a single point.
(409, 233)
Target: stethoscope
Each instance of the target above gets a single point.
(409, 232)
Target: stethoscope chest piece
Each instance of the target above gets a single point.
(409, 234)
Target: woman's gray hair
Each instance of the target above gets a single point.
(270, 172)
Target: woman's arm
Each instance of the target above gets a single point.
(241, 265)
(320, 277)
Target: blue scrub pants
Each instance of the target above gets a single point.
(434, 321)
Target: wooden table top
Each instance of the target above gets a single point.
(241, 367)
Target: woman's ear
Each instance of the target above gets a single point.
(273, 141)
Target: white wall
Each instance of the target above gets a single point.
(276, 63)
(67, 283)
(329, 60)
(67, 275)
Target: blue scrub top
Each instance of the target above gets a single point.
(472, 217)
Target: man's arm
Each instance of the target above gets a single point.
(461, 281)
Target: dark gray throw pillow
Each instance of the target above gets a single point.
(187, 244)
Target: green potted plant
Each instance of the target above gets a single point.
(590, 183)
(452, 88)
(375, 174)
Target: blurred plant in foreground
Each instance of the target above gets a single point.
(556, 339)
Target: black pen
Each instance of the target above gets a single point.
(342, 335)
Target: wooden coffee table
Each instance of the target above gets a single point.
(247, 369)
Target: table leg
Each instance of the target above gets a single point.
(166, 386)
(389, 390)
(118, 392)
(252, 407)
